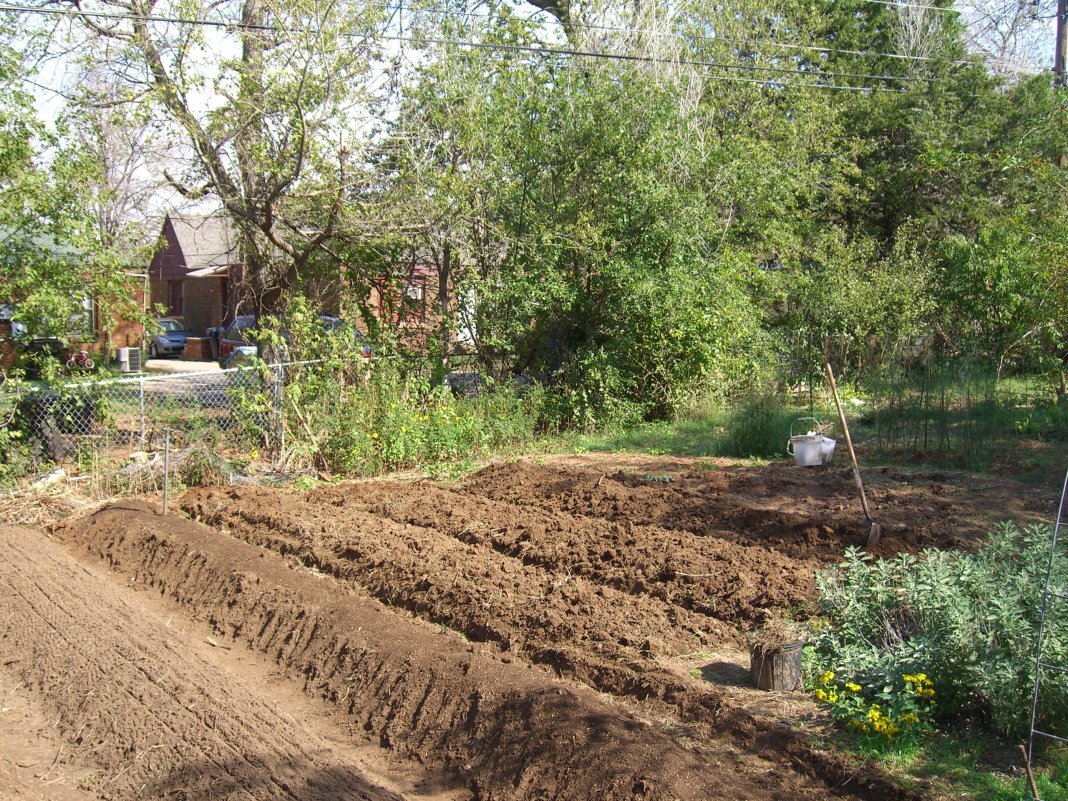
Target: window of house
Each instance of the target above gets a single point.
(414, 301)
(176, 297)
(83, 322)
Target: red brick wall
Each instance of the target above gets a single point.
(7, 350)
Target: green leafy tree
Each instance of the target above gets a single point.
(269, 101)
(52, 261)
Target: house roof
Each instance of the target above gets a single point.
(15, 240)
(206, 241)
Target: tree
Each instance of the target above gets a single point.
(52, 261)
(269, 98)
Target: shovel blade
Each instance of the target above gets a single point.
(874, 535)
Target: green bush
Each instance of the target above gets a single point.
(757, 426)
(968, 621)
(893, 712)
(387, 421)
(357, 416)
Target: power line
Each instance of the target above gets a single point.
(776, 84)
(478, 45)
(560, 51)
(906, 4)
(683, 35)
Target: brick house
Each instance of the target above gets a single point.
(408, 299)
(90, 328)
(197, 275)
(195, 271)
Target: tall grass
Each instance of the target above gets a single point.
(949, 415)
(757, 426)
(960, 415)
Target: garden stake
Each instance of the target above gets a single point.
(166, 468)
(876, 530)
(1030, 775)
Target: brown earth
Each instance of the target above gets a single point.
(566, 630)
(155, 721)
(508, 731)
(800, 512)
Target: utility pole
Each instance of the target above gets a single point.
(1060, 59)
(1060, 51)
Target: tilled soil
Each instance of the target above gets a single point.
(720, 580)
(524, 634)
(803, 513)
(157, 721)
(509, 731)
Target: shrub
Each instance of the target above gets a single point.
(377, 418)
(968, 620)
(897, 711)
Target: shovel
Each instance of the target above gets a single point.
(876, 530)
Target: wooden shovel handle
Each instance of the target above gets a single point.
(849, 441)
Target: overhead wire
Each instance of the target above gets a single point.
(681, 35)
(594, 54)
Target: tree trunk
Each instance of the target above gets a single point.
(444, 275)
(776, 668)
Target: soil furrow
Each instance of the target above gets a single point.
(731, 582)
(526, 737)
(602, 637)
(799, 512)
(154, 721)
(408, 566)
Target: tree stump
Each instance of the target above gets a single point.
(777, 667)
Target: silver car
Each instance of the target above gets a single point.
(170, 340)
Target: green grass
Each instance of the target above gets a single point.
(970, 766)
(944, 420)
(756, 428)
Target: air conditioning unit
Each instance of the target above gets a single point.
(129, 360)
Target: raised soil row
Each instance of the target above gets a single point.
(508, 730)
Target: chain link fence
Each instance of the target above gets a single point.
(258, 422)
(114, 420)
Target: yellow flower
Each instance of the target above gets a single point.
(826, 676)
(853, 688)
(821, 695)
(374, 435)
(254, 455)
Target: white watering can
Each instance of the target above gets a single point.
(812, 448)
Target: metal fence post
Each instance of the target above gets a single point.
(141, 406)
(279, 422)
(166, 468)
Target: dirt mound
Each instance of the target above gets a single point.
(609, 639)
(526, 606)
(510, 732)
(802, 513)
(157, 721)
(726, 581)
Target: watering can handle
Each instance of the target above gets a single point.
(799, 419)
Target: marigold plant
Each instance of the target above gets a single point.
(885, 712)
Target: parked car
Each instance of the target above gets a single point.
(35, 351)
(236, 337)
(237, 344)
(170, 340)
